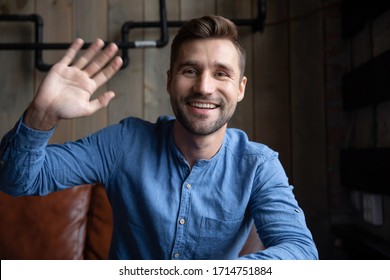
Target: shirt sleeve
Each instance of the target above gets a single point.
(31, 166)
(279, 220)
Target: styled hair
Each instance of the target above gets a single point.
(208, 27)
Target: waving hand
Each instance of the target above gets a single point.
(66, 92)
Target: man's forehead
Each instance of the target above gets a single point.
(217, 52)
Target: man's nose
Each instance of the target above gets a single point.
(205, 84)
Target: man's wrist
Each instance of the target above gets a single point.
(39, 120)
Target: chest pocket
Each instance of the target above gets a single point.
(217, 238)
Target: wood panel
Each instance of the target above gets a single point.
(308, 117)
(198, 8)
(89, 23)
(128, 83)
(57, 17)
(16, 85)
(272, 83)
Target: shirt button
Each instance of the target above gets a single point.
(176, 255)
(188, 186)
(182, 221)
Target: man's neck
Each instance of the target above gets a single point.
(197, 147)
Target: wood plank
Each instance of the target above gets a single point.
(272, 84)
(17, 87)
(302, 8)
(57, 28)
(156, 63)
(128, 83)
(308, 119)
(234, 9)
(89, 23)
(198, 8)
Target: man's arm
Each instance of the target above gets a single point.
(279, 220)
(65, 93)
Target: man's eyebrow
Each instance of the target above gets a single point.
(218, 65)
(187, 63)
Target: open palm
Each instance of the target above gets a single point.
(66, 91)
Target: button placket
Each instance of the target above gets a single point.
(183, 214)
(182, 221)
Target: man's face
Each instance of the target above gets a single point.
(204, 85)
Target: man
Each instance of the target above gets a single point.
(184, 188)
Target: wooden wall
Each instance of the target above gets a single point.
(289, 112)
(284, 104)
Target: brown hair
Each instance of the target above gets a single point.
(208, 27)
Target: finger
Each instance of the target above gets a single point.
(101, 102)
(89, 54)
(101, 60)
(107, 72)
(72, 51)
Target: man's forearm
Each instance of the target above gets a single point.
(20, 151)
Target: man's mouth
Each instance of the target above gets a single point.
(203, 105)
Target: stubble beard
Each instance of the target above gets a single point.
(198, 124)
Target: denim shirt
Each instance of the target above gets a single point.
(162, 208)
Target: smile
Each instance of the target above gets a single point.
(203, 105)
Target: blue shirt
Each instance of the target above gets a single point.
(163, 209)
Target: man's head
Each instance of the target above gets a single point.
(208, 27)
(206, 78)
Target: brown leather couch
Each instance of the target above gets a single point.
(70, 224)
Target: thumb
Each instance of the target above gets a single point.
(102, 101)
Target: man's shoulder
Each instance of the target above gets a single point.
(238, 143)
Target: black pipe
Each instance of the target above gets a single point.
(257, 25)
(163, 41)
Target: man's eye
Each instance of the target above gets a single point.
(189, 71)
(222, 74)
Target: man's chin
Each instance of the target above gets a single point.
(200, 129)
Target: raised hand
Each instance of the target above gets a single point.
(65, 93)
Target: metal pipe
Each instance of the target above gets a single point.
(38, 46)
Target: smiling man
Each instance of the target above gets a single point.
(205, 83)
(181, 188)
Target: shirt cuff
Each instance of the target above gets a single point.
(28, 138)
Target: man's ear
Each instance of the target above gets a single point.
(169, 80)
(241, 89)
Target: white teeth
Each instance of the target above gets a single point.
(204, 105)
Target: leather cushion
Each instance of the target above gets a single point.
(47, 227)
(99, 229)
